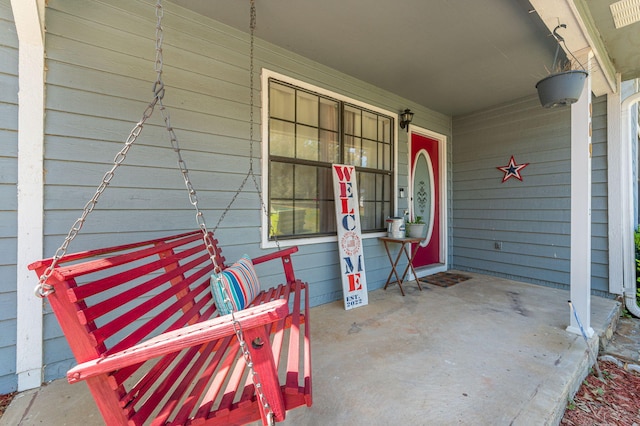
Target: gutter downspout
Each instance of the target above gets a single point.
(630, 284)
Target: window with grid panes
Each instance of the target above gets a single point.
(307, 133)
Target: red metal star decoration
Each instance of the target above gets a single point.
(512, 170)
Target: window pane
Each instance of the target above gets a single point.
(281, 217)
(281, 138)
(379, 187)
(368, 215)
(305, 215)
(383, 211)
(306, 182)
(369, 154)
(352, 150)
(327, 215)
(281, 198)
(384, 156)
(307, 142)
(380, 218)
(329, 114)
(329, 146)
(281, 102)
(307, 109)
(386, 189)
(352, 121)
(369, 125)
(367, 187)
(281, 180)
(384, 129)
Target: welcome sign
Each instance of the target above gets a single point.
(354, 283)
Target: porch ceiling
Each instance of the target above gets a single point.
(455, 57)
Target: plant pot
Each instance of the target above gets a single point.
(416, 230)
(562, 88)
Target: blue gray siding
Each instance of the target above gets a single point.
(100, 75)
(599, 199)
(8, 195)
(530, 218)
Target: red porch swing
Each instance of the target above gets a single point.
(145, 328)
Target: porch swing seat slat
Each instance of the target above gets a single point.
(151, 346)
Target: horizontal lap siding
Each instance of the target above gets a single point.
(530, 218)
(8, 196)
(100, 60)
(599, 199)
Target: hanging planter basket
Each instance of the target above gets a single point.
(562, 88)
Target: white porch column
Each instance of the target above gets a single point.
(581, 208)
(28, 16)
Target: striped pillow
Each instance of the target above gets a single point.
(240, 282)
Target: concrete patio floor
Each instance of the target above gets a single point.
(486, 351)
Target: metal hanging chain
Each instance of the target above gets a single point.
(193, 199)
(263, 205)
(250, 171)
(158, 88)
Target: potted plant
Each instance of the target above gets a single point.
(564, 85)
(416, 228)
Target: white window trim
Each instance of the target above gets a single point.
(266, 74)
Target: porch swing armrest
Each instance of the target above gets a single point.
(180, 339)
(285, 255)
(275, 255)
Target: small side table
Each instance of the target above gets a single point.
(394, 263)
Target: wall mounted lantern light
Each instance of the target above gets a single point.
(405, 119)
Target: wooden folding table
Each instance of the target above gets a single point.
(409, 254)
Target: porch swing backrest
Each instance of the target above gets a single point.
(141, 321)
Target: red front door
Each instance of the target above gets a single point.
(425, 195)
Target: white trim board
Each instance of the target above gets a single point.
(580, 278)
(28, 17)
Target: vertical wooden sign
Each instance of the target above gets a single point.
(354, 282)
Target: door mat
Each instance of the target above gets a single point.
(444, 279)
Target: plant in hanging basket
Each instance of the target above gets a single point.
(564, 85)
(562, 88)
